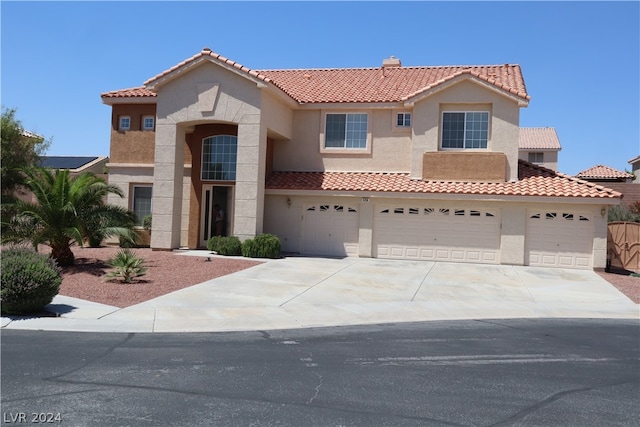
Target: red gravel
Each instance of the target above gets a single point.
(627, 284)
(167, 272)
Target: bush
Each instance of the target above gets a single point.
(263, 246)
(29, 281)
(225, 245)
(127, 265)
(621, 213)
(146, 222)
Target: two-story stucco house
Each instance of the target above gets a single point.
(388, 162)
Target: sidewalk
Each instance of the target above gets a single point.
(311, 292)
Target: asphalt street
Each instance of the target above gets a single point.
(534, 372)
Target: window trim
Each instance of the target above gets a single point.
(344, 150)
(120, 119)
(133, 198)
(464, 142)
(142, 124)
(395, 116)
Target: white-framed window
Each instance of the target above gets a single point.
(141, 201)
(124, 122)
(403, 120)
(346, 130)
(465, 129)
(148, 122)
(536, 157)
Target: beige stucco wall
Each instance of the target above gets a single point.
(207, 93)
(550, 158)
(466, 96)
(390, 150)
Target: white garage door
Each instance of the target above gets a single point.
(439, 233)
(330, 229)
(557, 238)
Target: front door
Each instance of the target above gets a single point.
(215, 198)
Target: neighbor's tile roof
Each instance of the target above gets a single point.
(603, 172)
(539, 139)
(533, 181)
(346, 85)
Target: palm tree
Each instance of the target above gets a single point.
(67, 210)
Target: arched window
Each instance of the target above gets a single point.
(219, 158)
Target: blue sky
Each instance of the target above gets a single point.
(581, 60)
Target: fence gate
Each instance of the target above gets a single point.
(623, 245)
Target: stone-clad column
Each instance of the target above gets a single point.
(167, 185)
(249, 191)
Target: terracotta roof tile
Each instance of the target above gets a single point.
(391, 84)
(134, 92)
(539, 139)
(534, 181)
(351, 85)
(603, 172)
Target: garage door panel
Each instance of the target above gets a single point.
(556, 238)
(439, 233)
(330, 229)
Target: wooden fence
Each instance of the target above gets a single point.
(623, 245)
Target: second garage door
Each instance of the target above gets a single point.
(557, 238)
(438, 233)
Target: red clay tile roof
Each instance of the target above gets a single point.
(347, 85)
(533, 181)
(134, 92)
(603, 172)
(539, 139)
(391, 84)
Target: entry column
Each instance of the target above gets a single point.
(251, 164)
(167, 185)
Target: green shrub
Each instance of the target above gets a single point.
(263, 246)
(225, 245)
(29, 281)
(146, 222)
(126, 265)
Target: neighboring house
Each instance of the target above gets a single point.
(540, 146)
(614, 179)
(75, 165)
(635, 168)
(388, 162)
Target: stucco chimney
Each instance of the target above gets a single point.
(391, 62)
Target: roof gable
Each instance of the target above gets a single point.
(349, 85)
(603, 172)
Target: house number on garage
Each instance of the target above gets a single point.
(365, 200)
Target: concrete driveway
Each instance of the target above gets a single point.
(300, 292)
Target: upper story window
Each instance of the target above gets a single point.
(536, 158)
(148, 122)
(403, 120)
(469, 129)
(124, 123)
(219, 158)
(346, 131)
